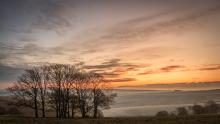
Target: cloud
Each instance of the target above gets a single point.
(166, 69)
(113, 63)
(130, 37)
(174, 68)
(209, 67)
(18, 53)
(146, 26)
(29, 53)
(171, 68)
(147, 72)
(114, 69)
(121, 80)
(135, 36)
(8, 73)
(110, 74)
(108, 64)
(52, 15)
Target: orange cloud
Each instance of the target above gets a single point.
(210, 67)
(171, 68)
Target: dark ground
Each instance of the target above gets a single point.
(200, 119)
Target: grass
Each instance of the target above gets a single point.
(198, 119)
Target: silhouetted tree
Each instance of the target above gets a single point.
(25, 91)
(62, 79)
(99, 98)
(83, 92)
(73, 104)
(42, 85)
(64, 88)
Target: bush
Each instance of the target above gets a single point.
(162, 114)
(212, 107)
(182, 111)
(197, 109)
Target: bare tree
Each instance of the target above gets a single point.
(83, 92)
(74, 104)
(99, 98)
(64, 88)
(56, 80)
(62, 79)
(25, 90)
(44, 80)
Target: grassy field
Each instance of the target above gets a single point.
(202, 119)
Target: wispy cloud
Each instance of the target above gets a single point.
(179, 68)
(210, 67)
(9, 74)
(166, 69)
(171, 68)
(48, 15)
(115, 68)
(137, 33)
(121, 80)
(147, 26)
(115, 63)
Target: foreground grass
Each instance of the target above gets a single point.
(201, 119)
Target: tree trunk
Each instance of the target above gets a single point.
(57, 114)
(57, 107)
(73, 113)
(35, 106)
(68, 105)
(43, 108)
(95, 111)
(59, 100)
(95, 104)
(83, 111)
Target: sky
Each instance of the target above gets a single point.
(132, 43)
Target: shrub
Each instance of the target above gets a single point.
(212, 107)
(182, 111)
(162, 114)
(197, 109)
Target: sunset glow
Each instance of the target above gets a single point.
(130, 43)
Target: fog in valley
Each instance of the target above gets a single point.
(143, 102)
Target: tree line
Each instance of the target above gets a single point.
(210, 107)
(65, 89)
